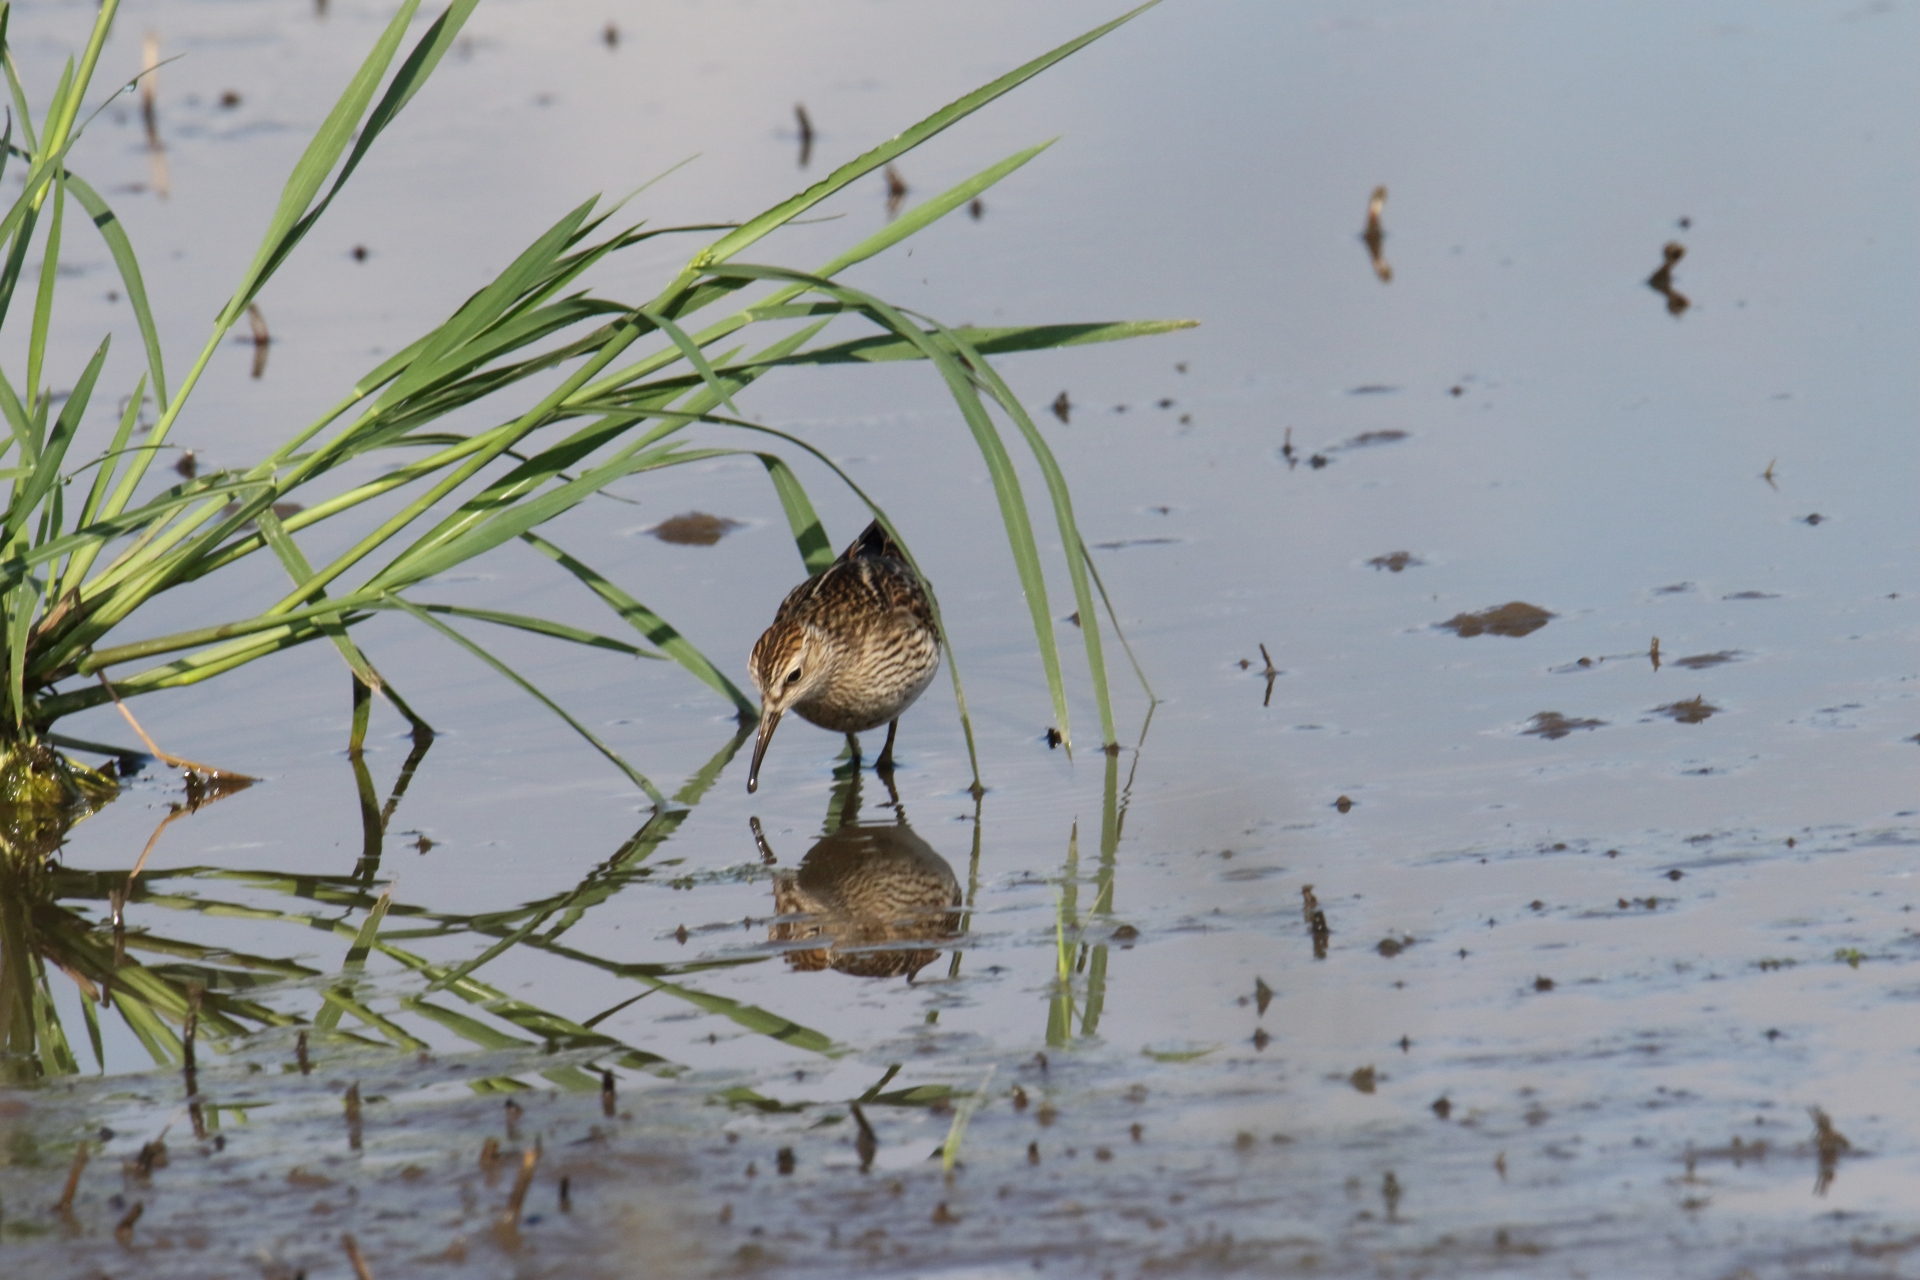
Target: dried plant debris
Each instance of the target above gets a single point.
(695, 529)
(1395, 561)
(1123, 543)
(1375, 236)
(1661, 281)
(1371, 439)
(1515, 618)
(1701, 661)
(1692, 711)
(1552, 725)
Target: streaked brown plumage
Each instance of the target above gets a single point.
(868, 894)
(849, 650)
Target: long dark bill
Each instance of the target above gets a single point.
(768, 721)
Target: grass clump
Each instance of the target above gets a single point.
(88, 542)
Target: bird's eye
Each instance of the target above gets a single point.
(793, 676)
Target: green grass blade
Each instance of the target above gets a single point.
(43, 296)
(816, 552)
(729, 245)
(633, 774)
(115, 235)
(60, 120)
(301, 572)
(692, 352)
(1118, 630)
(542, 627)
(649, 624)
(46, 469)
(882, 348)
(83, 557)
(930, 211)
(328, 144)
(1006, 481)
(1070, 539)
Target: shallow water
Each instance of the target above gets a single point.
(1627, 941)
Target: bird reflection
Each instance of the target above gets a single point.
(864, 895)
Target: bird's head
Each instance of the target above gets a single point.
(790, 661)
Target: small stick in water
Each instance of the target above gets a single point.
(262, 340)
(607, 1095)
(1375, 236)
(510, 1219)
(300, 1054)
(124, 1231)
(867, 1144)
(1661, 281)
(353, 1115)
(806, 133)
(65, 1207)
(352, 1247)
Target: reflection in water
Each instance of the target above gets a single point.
(1375, 236)
(862, 891)
(1661, 281)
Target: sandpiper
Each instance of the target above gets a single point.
(849, 650)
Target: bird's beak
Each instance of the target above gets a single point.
(768, 721)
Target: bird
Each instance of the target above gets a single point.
(849, 649)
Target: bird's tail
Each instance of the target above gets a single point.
(873, 542)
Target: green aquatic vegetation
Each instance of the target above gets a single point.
(620, 389)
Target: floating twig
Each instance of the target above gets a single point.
(510, 1218)
(1375, 236)
(867, 1144)
(352, 1247)
(806, 133)
(1661, 281)
(179, 762)
(1271, 672)
(150, 112)
(80, 1154)
(262, 340)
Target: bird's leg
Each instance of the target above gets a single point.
(885, 763)
(893, 795)
(853, 748)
